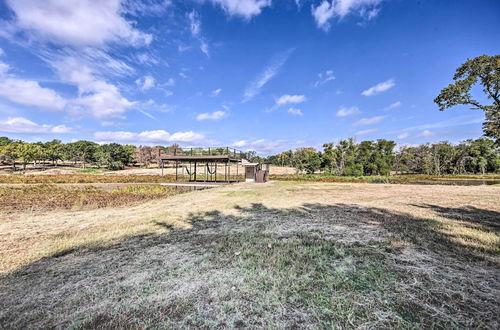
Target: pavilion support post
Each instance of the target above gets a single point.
(195, 171)
(216, 165)
(205, 172)
(229, 173)
(176, 171)
(162, 168)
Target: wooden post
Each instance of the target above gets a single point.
(176, 170)
(229, 172)
(215, 171)
(162, 167)
(195, 171)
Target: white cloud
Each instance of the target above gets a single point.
(216, 92)
(403, 136)
(145, 83)
(28, 92)
(343, 111)
(96, 97)
(324, 77)
(216, 115)
(290, 99)
(393, 106)
(295, 112)
(261, 146)
(323, 13)
(366, 132)
(156, 136)
(239, 144)
(2, 52)
(326, 10)
(369, 121)
(77, 22)
(379, 88)
(243, 8)
(26, 126)
(263, 78)
(426, 134)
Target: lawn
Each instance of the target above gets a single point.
(277, 255)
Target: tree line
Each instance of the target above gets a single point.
(345, 158)
(112, 156)
(348, 158)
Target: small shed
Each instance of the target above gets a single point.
(256, 172)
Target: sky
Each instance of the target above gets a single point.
(265, 75)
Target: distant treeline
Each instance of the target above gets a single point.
(112, 156)
(344, 158)
(380, 158)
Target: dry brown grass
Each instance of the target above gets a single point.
(273, 255)
(83, 178)
(49, 197)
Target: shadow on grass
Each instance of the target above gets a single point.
(312, 266)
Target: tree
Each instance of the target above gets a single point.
(484, 70)
(4, 141)
(113, 156)
(54, 150)
(28, 152)
(307, 159)
(83, 151)
(8, 153)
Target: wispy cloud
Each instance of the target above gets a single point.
(393, 106)
(366, 132)
(216, 92)
(379, 88)
(290, 99)
(216, 115)
(343, 111)
(266, 75)
(324, 77)
(369, 121)
(295, 112)
(261, 146)
(456, 121)
(403, 136)
(195, 27)
(426, 134)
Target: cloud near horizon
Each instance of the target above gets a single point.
(156, 136)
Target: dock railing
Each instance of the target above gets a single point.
(217, 151)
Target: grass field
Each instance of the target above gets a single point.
(274, 255)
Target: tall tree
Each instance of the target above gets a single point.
(484, 70)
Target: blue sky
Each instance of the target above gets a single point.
(267, 75)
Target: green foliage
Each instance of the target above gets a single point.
(484, 70)
(378, 158)
(113, 156)
(307, 159)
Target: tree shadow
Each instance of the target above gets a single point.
(187, 277)
(488, 219)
